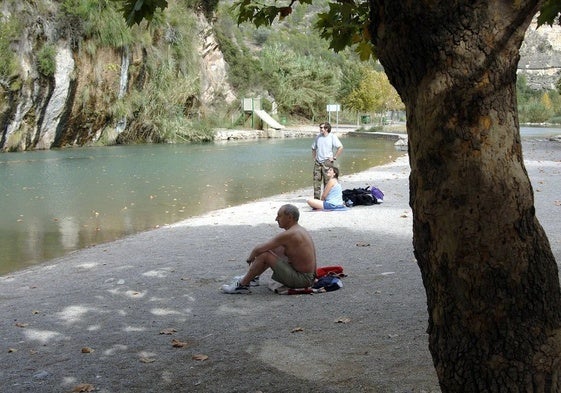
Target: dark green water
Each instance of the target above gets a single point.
(54, 202)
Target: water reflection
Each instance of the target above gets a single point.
(69, 230)
(58, 201)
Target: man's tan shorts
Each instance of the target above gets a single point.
(284, 273)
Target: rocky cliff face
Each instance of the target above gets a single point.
(213, 67)
(70, 106)
(540, 56)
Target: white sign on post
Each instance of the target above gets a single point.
(333, 108)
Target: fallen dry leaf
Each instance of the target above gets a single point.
(21, 324)
(557, 203)
(363, 244)
(83, 387)
(35, 312)
(147, 360)
(11, 350)
(168, 331)
(199, 357)
(297, 329)
(178, 344)
(87, 350)
(343, 320)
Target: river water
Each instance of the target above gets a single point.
(58, 201)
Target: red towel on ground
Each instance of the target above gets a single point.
(329, 270)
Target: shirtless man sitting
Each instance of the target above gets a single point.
(290, 254)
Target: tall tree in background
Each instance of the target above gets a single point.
(374, 93)
(491, 280)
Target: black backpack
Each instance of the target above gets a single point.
(358, 196)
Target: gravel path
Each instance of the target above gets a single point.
(145, 314)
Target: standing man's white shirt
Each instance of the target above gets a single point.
(324, 146)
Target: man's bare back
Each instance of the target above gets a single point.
(290, 254)
(299, 248)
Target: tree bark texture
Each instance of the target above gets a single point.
(490, 277)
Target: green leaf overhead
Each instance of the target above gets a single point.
(549, 13)
(345, 24)
(137, 10)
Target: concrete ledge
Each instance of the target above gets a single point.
(379, 135)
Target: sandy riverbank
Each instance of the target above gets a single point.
(97, 316)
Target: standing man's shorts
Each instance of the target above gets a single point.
(284, 273)
(320, 175)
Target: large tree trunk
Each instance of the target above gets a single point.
(490, 277)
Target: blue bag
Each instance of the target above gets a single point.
(328, 283)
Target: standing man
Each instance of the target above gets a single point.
(324, 156)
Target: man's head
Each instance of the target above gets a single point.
(325, 128)
(287, 216)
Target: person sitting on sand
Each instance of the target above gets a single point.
(290, 254)
(332, 196)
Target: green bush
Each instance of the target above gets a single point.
(302, 85)
(46, 60)
(9, 30)
(534, 112)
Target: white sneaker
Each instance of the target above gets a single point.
(253, 283)
(235, 287)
